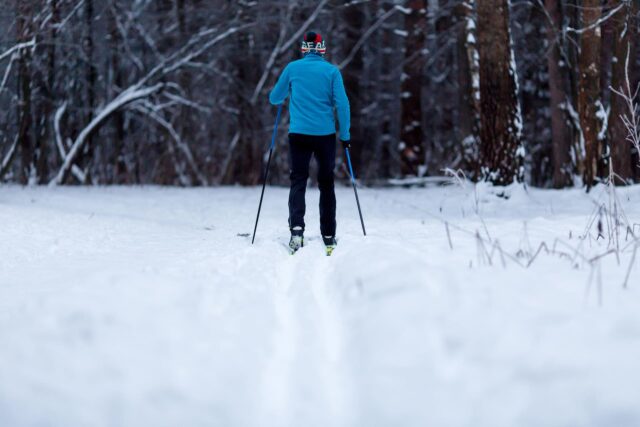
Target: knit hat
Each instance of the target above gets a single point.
(313, 43)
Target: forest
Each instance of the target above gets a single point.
(175, 92)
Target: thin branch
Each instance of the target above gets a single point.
(630, 119)
(7, 72)
(148, 111)
(272, 58)
(367, 34)
(597, 23)
(227, 160)
(298, 34)
(183, 146)
(77, 7)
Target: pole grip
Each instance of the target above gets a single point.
(353, 178)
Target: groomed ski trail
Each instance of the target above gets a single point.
(309, 332)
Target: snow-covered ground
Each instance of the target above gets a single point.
(150, 307)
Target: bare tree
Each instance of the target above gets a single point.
(623, 45)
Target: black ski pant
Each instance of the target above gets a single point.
(323, 148)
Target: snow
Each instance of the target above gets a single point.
(602, 114)
(405, 10)
(149, 306)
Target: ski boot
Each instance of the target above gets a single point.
(297, 240)
(329, 244)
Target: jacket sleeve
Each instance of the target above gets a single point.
(341, 102)
(281, 90)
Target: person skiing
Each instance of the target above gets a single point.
(316, 89)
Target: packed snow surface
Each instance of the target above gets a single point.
(150, 307)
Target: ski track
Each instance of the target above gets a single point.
(308, 334)
(277, 393)
(338, 387)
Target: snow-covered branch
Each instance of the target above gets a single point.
(181, 100)
(7, 71)
(64, 22)
(56, 126)
(8, 157)
(132, 94)
(153, 114)
(183, 146)
(144, 88)
(17, 48)
(191, 50)
(596, 23)
(227, 160)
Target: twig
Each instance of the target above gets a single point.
(633, 258)
(366, 35)
(446, 226)
(597, 23)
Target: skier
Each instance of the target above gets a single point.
(316, 88)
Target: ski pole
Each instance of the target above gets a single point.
(266, 171)
(355, 190)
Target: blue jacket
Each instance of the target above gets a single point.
(316, 88)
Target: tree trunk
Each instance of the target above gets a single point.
(411, 135)
(90, 83)
(501, 149)
(561, 142)
(468, 86)
(357, 79)
(623, 39)
(368, 121)
(24, 33)
(120, 173)
(51, 92)
(389, 155)
(589, 101)
(42, 91)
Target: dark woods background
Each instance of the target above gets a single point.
(175, 91)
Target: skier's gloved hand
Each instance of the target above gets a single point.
(346, 144)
